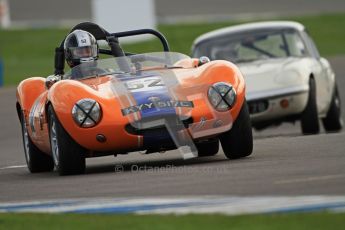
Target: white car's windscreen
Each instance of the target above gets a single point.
(252, 46)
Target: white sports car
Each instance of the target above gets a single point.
(286, 78)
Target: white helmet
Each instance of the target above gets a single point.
(80, 46)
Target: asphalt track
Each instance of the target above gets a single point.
(284, 163)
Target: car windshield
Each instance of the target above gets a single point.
(129, 64)
(253, 45)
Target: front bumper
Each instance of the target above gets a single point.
(276, 104)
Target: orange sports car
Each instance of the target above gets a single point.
(129, 102)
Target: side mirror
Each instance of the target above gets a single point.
(51, 80)
(203, 60)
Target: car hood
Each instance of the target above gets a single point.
(109, 86)
(270, 74)
(143, 90)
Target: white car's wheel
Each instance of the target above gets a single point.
(333, 122)
(238, 141)
(68, 156)
(36, 160)
(310, 117)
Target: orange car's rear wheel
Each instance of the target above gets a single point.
(36, 160)
(68, 156)
(238, 141)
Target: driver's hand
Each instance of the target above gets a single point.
(52, 79)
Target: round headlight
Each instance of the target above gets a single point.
(222, 96)
(86, 113)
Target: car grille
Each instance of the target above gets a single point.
(257, 106)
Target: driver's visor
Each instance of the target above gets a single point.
(84, 51)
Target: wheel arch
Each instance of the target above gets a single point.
(311, 76)
(46, 106)
(19, 111)
(27, 93)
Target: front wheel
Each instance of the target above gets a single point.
(238, 141)
(68, 156)
(333, 122)
(36, 160)
(310, 117)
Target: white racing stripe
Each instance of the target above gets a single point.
(177, 205)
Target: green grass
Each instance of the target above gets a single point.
(31, 52)
(28, 52)
(309, 221)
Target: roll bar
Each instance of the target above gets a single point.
(101, 34)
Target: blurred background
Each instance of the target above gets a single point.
(30, 30)
(35, 13)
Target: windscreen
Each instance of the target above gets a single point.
(253, 45)
(129, 64)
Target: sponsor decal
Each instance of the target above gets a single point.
(200, 124)
(154, 99)
(217, 123)
(157, 104)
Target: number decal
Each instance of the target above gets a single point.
(134, 85)
(140, 85)
(157, 82)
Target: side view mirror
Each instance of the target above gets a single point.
(203, 60)
(51, 80)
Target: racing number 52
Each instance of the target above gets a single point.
(149, 83)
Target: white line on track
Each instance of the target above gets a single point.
(13, 167)
(310, 179)
(183, 205)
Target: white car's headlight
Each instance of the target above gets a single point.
(86, 113)
(222, 96)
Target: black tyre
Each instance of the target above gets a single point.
(68, 156)
(333, 122)
(310, 117)
(208, 148)
(36, 160)
(238, 141)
